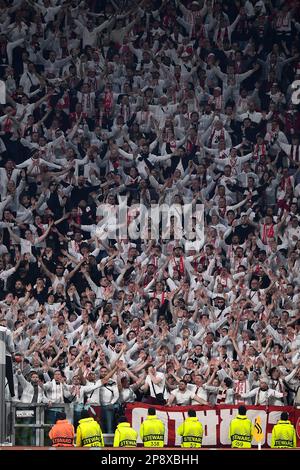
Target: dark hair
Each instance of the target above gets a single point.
(61, 415)
(242, 410)
(151, 411)
(122, 419)
(192, 413)
(227, 382)
(284, 416)
(84, 414)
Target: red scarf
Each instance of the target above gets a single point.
(7, 125)
(180, 266)
(116, 164)
(108, 101)
(267, 233)
(162, 300)
(190, 144)
(285, 182)
(225, 35)
(196, 266)
(222, 211)
(167, 21)
(259, 151)
(64, 102)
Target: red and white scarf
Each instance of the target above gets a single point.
(260, 150)
(222, 34)
(179, 264)
(7, 125)
(295, 153)
(218, 102)
(162, 296)
(108, 102)
(268, 232)
(285, 182)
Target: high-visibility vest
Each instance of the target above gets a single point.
(191, 431)
(283, 435)
(152, 432)
(89, 434)
(241, 432)
(125, 436)
(62, 434)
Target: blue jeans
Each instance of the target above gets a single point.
(108, 413)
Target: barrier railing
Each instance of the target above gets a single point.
(29, 424)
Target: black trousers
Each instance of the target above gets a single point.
(9, 375)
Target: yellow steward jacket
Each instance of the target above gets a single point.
(62, 434)
(89, 434)
(191, 431)
(241, 432)
(125, 436)
(152, 432)
(283, 435)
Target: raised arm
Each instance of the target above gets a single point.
(46, 270)
(13, 235)
(74, 271)
(45, 235)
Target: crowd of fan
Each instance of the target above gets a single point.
(165, 102)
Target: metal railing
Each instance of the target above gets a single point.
(29, 424)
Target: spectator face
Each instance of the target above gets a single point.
(182, 386)
(92, 376)
(254, 284)
(34, 379)
(58, 376)
(263, 385)
(59, 271)
(241, 375)
(103, 372)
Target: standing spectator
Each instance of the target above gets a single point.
(32, 391)
(155, 383)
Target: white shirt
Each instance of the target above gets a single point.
(199, 391)
(183, 398)
(157, 388)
